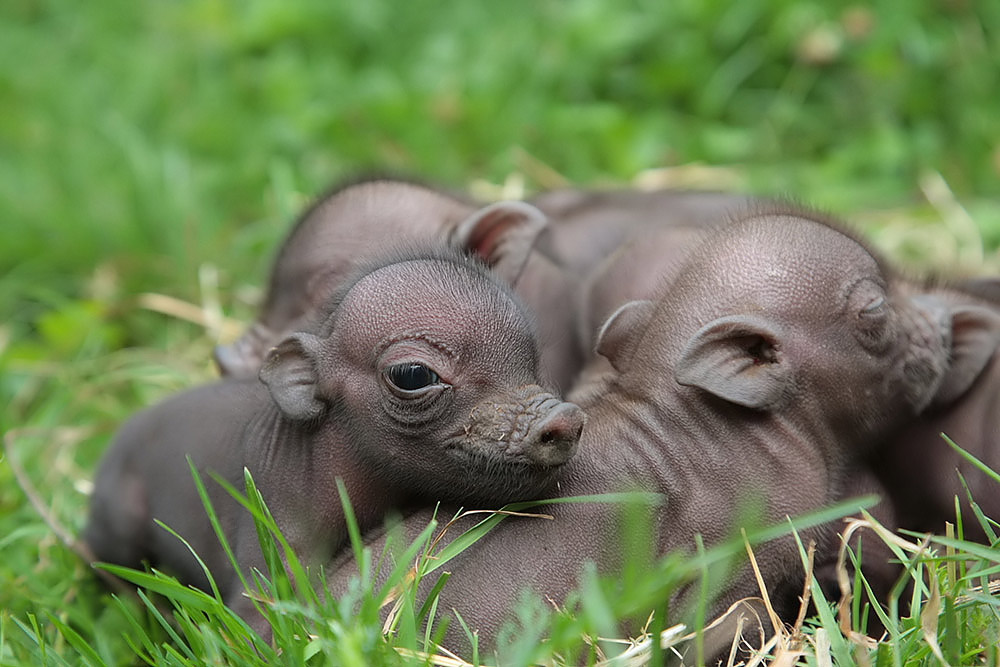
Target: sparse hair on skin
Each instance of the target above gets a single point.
(324, 318)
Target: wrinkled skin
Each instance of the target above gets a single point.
(351, 224)
(421, 384)
(917, 467)
(780, 353)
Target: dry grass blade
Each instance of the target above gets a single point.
(806, 590)
(433, 659)
(779, 628)
(992, 588)
(62, 533)
(544, 174)
(694, 175)
(929, 614)
(955, 217)
(726, 630)
(762, 654)
(212, 322)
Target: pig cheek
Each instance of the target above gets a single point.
(923, 365)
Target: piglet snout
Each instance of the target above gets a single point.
(552, 440)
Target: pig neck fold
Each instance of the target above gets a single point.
(680, 446)
(325, 456)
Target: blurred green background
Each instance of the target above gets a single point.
(153, 153)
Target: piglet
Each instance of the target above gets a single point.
(351, 224)
(779, 353)
(418, 383)
(918, 468)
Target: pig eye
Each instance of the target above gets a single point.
(874, 327)
(875, 307)
(411, 377)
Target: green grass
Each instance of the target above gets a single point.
(162, 149)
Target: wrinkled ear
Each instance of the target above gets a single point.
(736, 358)
(975, 335)
(242, 358)
(290, 373)
(621, 330)
(986, 288)
(502, 235)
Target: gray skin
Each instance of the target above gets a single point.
(353, 223)
(420, 384)
(780, 353)
(917, 467)
(586, 226)
(913, 471)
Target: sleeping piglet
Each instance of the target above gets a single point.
(918, 468)
(779, 352)
(419, 384)
(352, 223)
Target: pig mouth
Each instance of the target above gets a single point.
(542, 432)
(501, 454)
(492, 481)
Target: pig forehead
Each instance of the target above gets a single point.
(796, 250)
(403, 208)
(426, 295)
(777, 265)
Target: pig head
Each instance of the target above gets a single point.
(778, 354)
(420, 385)
(919, 470)
(350, 225)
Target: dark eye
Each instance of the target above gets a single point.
(410, 377)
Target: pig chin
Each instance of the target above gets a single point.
(496, 478)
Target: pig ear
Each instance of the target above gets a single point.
(289, 371)
(242, 358)
(987, 288)
(736, 358)
(502, 235)
(619, 332)
(975, 336)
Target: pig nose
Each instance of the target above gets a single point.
(553, 439)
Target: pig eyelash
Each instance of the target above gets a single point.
(873, 308)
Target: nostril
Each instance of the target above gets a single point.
(562, 428)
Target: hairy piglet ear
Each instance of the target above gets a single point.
(241, 359)
(289, 371)
(618, 334)
(736, 359)
(975, 336)
(502, 235)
